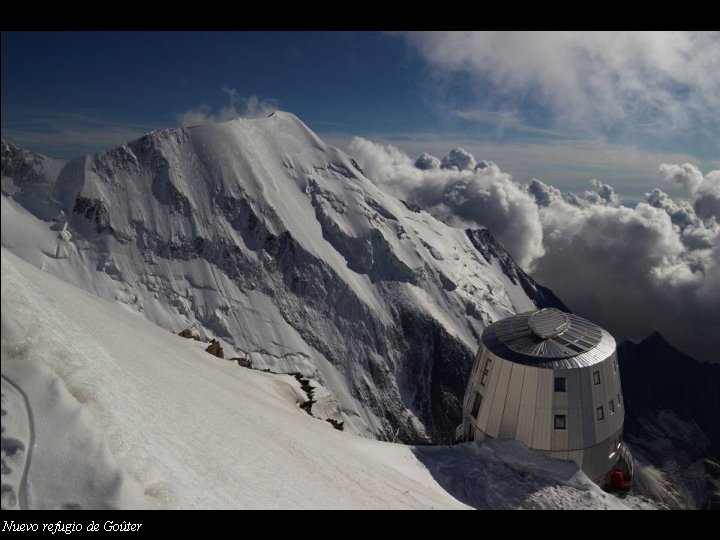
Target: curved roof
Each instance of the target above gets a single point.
(549, 338)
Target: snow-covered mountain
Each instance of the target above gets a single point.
(672, 422)
(102, 410)
(259, 234)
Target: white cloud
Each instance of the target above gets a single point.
(460, 195)
(705, 188)
(632, 270)
(686, 175)
(661, 79)
(567, 164)
(239, 107)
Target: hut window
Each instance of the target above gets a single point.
(615, 366)
(476, 404)
(484, 378)
(612, 406)
(559, 421)
(560, 384)
(600, 413)
(596, 377)
(619, 400)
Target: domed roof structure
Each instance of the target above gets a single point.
(549, 338)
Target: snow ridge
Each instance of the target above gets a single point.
(257, 233)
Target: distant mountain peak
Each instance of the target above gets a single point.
(261, 235)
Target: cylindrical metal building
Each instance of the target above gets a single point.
(550, 380)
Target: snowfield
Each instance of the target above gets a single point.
(127, 415)
(258, 234)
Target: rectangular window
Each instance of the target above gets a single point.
(484, 378)
(619, 400)
(489, 363)
(600, 413)
(560, 384)
(615, 366)
(596, 377)
(559, 421)
(612, 406)
(476, 404)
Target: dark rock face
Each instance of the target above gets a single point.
(189, 334)
(485, 243)
(215, 349)
(94, 210)
(672, 418)
(243, 362)
(20, 164)
(656, 376)
(441, 368)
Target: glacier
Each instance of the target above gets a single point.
(257, 233)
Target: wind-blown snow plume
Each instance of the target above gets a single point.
(239, 107)
(633, 270)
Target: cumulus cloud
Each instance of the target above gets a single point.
(426, 162)
(601, 193)
(238, 107)
(458, 159)
(458, 193)
(706, 188)
(633, 270)
(668, 79)
(543, 194)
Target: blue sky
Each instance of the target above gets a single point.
(561, 107)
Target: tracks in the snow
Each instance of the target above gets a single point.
(22, 494)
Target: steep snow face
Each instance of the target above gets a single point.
(103, 410)
(258, 233)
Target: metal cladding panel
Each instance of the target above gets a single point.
(575, 429)
(559, 438)
(574, 391)
(559, 454)
(610, 391)
(544, 421)
(598, 390)
(596, 459)
(488, 391)
(530, 382)
(560, 399)
(472, 381)
(575, 419)
(588, 409)
(508, 424)
(526, 413)
(498, 402)
(576, 456)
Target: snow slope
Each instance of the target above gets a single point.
(258, 233)
(127, 415)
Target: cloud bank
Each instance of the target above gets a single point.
(238, 107)
(632, 270)
(602, 79)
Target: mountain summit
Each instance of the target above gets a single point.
(259, 234)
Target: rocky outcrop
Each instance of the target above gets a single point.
(215, 349)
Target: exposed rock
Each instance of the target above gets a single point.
(243, 362)
(340, 426)
(215, 349)
(189, 334)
